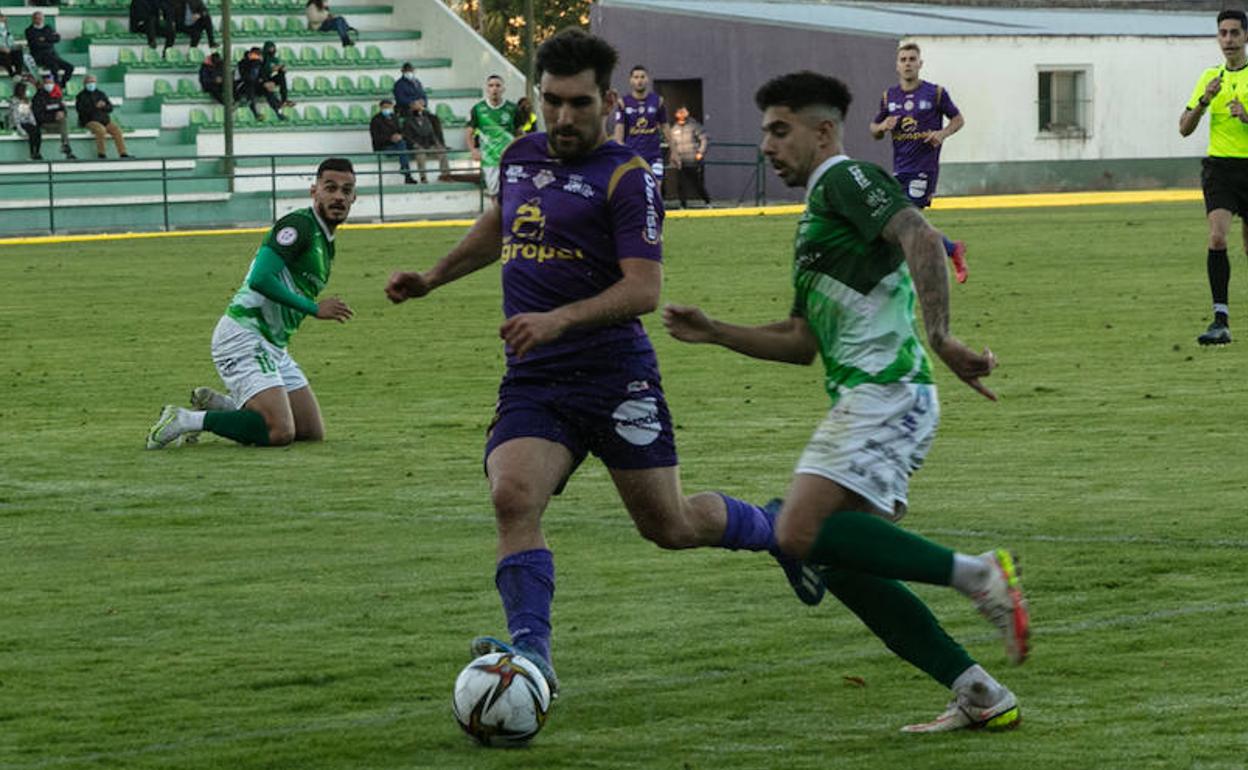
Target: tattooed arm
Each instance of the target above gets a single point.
(925, 255)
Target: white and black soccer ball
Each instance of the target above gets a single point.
(501, 699)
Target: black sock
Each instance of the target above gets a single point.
(1219, 267)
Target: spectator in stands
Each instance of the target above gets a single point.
(191, 17)
(212, 77)
(422, 130)
(321, 19)
(408, 89)
(251, 84)
(41, 40)
(274, 73)
(689, 148)
(93, 108)
(10, 54)
(49, 110)
(22, 118)
(155, 17)
(387, 137)
(526, 118)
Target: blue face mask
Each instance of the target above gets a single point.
(48, 87)
(90, 86)
(387, 113)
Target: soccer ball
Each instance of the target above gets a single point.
(501, 699)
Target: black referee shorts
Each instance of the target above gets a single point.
(1225, 184)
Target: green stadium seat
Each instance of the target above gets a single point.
(188, 87)
(127, 56)
(116, 27)
(6, 88)
(352, 55)
(234, 28)
(174, 58)
(295, 25)
(162, 87)
(443, 111)
(386, 83)
(150, 56)
(251, 26)
(218, 114)
(373, 53)
(272, 25)
(91, 28)
(335, 115)
(198, 117)
(288, 54)
(300, 85)
(309, 55)
(331, 53)
(344, 85)
(243, 117)
(357, 114)
(323, 85)
(312, 114)
(365, 84)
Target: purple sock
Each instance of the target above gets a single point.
(748, 528)
(949, 247)
(526, 583)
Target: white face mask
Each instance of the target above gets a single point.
(48, 87)
(409, 75)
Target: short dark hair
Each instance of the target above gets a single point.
(799, 90)
(573, 51)
(335, 164)
(386, 101)
(1237, 15)
(499, 78)
(641, 67)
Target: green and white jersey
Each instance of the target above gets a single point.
(494, 127)
(852, 286)
(306, 246)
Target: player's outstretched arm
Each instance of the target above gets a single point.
(265, 279)
(790, 340)
(925, 255)
(481, 246)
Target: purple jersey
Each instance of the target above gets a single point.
(566, 226)
(643, 121)
(920, 112)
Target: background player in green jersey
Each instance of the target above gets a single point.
(1224, 173)
(491, 127)
(270, 402)
(859, 243)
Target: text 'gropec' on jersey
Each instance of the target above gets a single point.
(653, 234)
(541, 252)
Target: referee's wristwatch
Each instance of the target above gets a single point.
(1204, 105)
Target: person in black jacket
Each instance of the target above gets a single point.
(93, 108)
(41, 40)
(422, 130)
(387, 137)
(49, 109)
(191, 17)
(251, 84)
(212, 77)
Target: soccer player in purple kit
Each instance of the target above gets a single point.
(578, 229)
(641, 122)
(914, 111)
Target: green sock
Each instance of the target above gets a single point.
(902, 621)
(861, 542)
(243, 426)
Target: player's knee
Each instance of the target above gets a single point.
(791, 539)
(1217, 241)
(280, 435)
(513, 499)
(670, 533)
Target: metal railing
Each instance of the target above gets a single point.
(187, 193)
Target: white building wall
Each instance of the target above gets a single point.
(1138, 88)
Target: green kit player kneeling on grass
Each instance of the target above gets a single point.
(270, 402)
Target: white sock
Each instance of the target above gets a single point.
(191, 420)
(977, 686)
(970, 573)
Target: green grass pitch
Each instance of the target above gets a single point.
(309, 607)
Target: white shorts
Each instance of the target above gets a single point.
(489, 180)
(873, 440)
(249, 364)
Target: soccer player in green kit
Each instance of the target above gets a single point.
(270, 402)
(863, 256)
(491, 127)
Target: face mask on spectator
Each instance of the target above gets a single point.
(90, 86)
(409, 75)
(48, 87)
(387, 112)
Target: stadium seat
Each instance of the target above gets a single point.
(218, 114)
(288, 54)
(243, 117)
(344, 85)
(335, 115)
(91, 28)
(364, 84)
(127, 56)
(352, 55)
(356, 114)
(188, 87)
(116, 27)
(150, 56)
(6, 88)
(312, 114)
(300, 85)
(173, 58)
(373, 53)
(295, 25)
(272, 25)
(331, 53)
(161, 87)
(234, 28)
(443, 111)
(323, 85)
(309, 55)
(198, 117)
(195, 56)
(386, 83)
(251, 26)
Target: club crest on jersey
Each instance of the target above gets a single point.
(578, 186)
(286, 236)
(924, 104)
(515, 173)
(543, 178)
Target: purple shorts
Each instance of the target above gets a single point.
(618, 413)
(919, 187)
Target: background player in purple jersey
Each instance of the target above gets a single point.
(578, 229)
(641, 122)
(914, 111)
